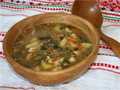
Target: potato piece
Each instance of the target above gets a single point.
(68, 30)
(49, 60)
(61, 60)
(32, 50)
(77, 52)
(34, 39)
(63, 42)
(72, 59)
(57, 68)
(65, 64)
(32, 45)
(74, 35)
(46, 66)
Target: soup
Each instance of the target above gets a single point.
(50, 47)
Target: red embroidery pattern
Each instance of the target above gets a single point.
(39, 2)
(104, 46)
(41, 8)
(106, 65)
(2, 55)
(111, 5)
(2, 34)
(112, 14)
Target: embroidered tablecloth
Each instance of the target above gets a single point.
(104, 73)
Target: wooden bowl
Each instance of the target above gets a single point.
(51, 78)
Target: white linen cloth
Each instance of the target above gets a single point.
(104, 73)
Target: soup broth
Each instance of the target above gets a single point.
(50, 47)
